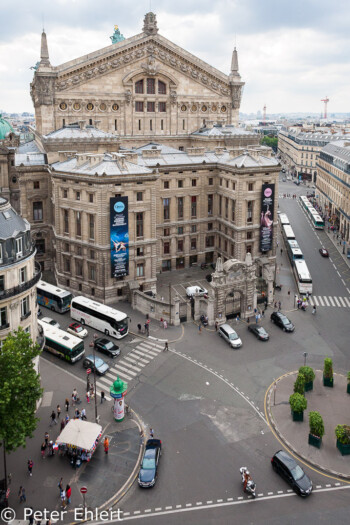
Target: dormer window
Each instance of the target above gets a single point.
(161, 88)
(139, 86)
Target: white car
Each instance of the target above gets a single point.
(50, 321)
(192, 290)
(78, 330)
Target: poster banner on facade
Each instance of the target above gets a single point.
(119, 234)
(267, 217)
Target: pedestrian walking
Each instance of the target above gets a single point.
(281, 251)
(139, 327)
(106, 445)
(58, 411)
(47, 435)
(200, 328)
(313, 309)
(67, 404)
(165, 324)
(53, 418)
(30, 467)
(67, 418)
(151, 432)
(275, 305)
(43, 449)
(63, 499)
(83, 415)
(103, 395)
(146, 327)
(88, 397)
(279, 305)
(60, 485)
(288, 292)
(277, 244)
(166, 347)
(263, 313)
(68, 494)
(62, 424)
(248, 320)
(22, 494)
(216, 326)
(237, 319)
(256, 319)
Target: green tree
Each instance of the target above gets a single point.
(272, 142)
(19, 390)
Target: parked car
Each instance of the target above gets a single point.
(107, 347)
(91, 362)
(324, 252)
(227, 332)
(288, 468)
(191, 290)
(51, 322)
(78, 330)
(259, 332)
(282, 321)
(150, 461)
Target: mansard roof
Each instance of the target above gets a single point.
(111, 164)
(74, 131)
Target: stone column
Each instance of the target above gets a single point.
(175, 318)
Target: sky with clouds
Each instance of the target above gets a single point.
(291, 53)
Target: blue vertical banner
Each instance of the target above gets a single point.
(119, 234)
(267, 217)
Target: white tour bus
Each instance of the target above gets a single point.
(99, 316)
(283, 219)
(53, 297)
(302, 276)
(64, 345)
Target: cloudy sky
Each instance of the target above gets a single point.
(292, 53)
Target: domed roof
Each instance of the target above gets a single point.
(5, 128)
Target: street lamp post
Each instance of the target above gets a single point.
(305, 356)
(92, 345)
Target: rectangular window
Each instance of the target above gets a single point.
(161, 125)
(91, 197)
(226, 183)
(233, 210)
(249, 248)
(66, 264)
(194, 183)
(183, 124)
(180, 245)
(166, 209)
(36, 185)
(92, 254)
(210, 181)
(37, 211)
(209, 241)
(180, 230)
(193, 228)
(232, 250)
(65, 221)
(151, 86)
(139, 251)
(40, 246)
(193, 206)
(210, 226)
(79, 268)
(219, 242)
(115, 125)
(233, 185)
(250, 211)
(161, 88)
(180, 207)
(19, 247)
(139, 196)
(78, 224)
(139, 106)
(166, 232)
(193, 244)
(25, 307)
(226, 208)
(92, 227)
(65, 194)
(92, 273)
(150, 125)
(166, 185)
(249, 235)
(250, 186)
(3, 317)
(162, 107)
(139, 125)
(140, 270)
(2, 283)
(77, 195)
(151, 107)
(180, 183)
(23, 275)
(139, 224)
(220, 205)
(139, 86)
(166, 248)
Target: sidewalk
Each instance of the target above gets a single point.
(332, 403)
(104, 476)
(333, 238)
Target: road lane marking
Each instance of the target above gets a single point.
(347, 301)
(341, 300)
(336, 300)
(326, 300)
(331, 300)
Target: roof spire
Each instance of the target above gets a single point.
(234, 64)
(44, 51)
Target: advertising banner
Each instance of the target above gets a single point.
(119, 234)
(267, 217)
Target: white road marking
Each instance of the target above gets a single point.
(347, 301)
(168, 508)
(314, 298)
(123, 369)
(336, 300)
(331, 300)
(148, 510)
(269, 493)
(219, 500)
(341, 300)
(326, 300)
(137, 512)
(348, 290)
(338, 273)
(114, 376)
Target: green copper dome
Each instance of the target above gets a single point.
(5, 128)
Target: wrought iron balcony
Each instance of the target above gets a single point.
(16, 290)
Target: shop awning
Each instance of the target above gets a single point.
(80, 434)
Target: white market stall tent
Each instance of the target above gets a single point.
(79, 439)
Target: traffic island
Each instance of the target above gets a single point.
(331, 403)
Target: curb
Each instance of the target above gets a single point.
(286, 442)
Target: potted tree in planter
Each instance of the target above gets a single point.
(328, 372)
(309, 375)
(343, 439)
(348, 385)
(298, 404)
(316, 429)
(299, 385)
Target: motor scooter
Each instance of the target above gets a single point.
(251, 486)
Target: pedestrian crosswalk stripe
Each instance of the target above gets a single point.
(331, 300)
(153, 346)
(145, 348)
(347, 301)
(337, 302)
(123, 369)
(133, 367)
(141, 360)
(132, 360)
(137, 352)
(342, 301)
(111, 374)
(326, 301)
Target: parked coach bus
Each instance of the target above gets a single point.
(99, 316)
(53, 297)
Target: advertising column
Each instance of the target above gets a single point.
(119, 235)
(267, 217)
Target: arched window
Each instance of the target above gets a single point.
(161, 88)
(139, 86)
(151, 86)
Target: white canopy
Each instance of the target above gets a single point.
(80, 434)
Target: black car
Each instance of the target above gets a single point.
(282, 321)
(107, 347)
(149, 466)
(288, 468)
(259, 332)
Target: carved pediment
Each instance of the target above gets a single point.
(156, 52)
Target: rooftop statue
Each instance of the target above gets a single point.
(116, 37)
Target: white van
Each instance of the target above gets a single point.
(227, 332)
(191, 290)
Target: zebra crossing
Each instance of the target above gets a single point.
(327, 300)
(131, 364)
